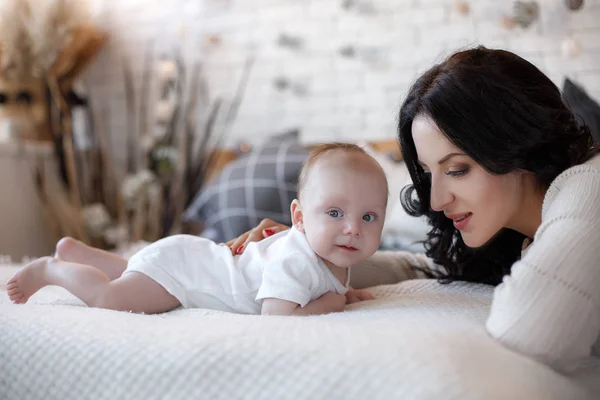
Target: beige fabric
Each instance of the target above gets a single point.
(389, 267)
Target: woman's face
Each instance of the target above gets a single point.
(479, 203)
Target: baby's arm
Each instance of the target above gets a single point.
(328, 303)
(356, 295)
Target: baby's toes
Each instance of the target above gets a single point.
(11, 287)
(16, 297)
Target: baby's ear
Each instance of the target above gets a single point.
(297, 216)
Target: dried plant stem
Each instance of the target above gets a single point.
(70, 161)
(139, 220)
(112, 192)
(86, 42)
(85, 169)
(67, 141)
(96, 181)
(186, 142)
(144, 101)
(177, 113)
(209, 159)
(52, 222)
(155, 211)
(196, 179)
(68, 216)
(132, 154)
(72, 173)
(64, 116)
(240, 92)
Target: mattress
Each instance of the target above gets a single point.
(417, 340)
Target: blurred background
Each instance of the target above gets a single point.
(118, 117)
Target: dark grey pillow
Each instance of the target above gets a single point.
(260, 184)
(583, 106)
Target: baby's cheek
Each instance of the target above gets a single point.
(375, 230)
(316, 240)
(375, 238)
(317, 231)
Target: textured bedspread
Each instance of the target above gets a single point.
(418, 340)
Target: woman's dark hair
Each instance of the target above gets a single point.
(506, 115)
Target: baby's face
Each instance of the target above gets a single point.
(343, 206)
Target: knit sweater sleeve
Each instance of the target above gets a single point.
(549, 307)
(388, 267)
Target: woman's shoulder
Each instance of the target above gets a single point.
(576, 191)
(588, 171)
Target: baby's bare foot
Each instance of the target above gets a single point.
(27, 281)
(69, 249)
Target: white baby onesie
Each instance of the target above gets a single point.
(202, 274)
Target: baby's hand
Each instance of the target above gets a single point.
(356, 295)
(335, 302)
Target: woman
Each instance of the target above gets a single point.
(510, 184)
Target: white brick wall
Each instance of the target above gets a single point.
(345, 99)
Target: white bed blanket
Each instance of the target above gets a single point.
(418, 340)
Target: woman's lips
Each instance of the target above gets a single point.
(461, 222)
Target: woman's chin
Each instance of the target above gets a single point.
(473, 241)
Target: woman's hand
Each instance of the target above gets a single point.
(266, 228)
(356, 295)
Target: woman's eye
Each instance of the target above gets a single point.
(368, 217)
(334, 213)
(457, 173)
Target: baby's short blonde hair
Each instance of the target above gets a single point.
(321, 150)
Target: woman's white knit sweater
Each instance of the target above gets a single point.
(549, 307)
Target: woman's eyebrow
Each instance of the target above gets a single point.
(449, 156)
(444, 159)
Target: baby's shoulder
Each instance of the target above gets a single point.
(293, 247)
(295, 259)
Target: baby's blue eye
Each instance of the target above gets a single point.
(368, 217)
(334, 213)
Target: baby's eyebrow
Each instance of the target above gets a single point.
(337, 201)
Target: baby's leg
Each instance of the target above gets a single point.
(133, 292)
(71, 250)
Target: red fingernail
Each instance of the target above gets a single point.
(239, 250)
(269, 232)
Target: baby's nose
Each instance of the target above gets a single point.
(352, 228)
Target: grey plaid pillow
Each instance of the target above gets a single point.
(260, 184)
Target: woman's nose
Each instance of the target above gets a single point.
(441, 196)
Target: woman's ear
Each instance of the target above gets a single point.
(297, 217)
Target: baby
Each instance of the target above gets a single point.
(337, 222)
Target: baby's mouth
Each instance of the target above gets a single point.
(347, 248)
